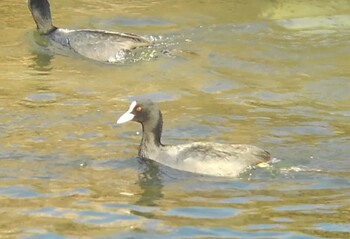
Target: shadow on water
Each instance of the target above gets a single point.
(42, 62)
(41, 55)
(149, 180)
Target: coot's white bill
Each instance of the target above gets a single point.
(127, 116)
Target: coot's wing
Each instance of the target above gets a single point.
(212, 158)
(103, 45)
(249, 154)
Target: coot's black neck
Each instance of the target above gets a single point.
(41, 13)
(151, 136)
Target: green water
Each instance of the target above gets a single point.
(275, 74)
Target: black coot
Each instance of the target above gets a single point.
(94, 44)
(200, 157)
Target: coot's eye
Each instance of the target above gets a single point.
(138, 108)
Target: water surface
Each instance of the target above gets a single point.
(270, 73)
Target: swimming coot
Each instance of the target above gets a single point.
(94, 44)
(201, 157)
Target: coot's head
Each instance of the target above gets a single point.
(41, 13)
(148, 114)
(142, 111)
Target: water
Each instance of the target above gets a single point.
(270, 73)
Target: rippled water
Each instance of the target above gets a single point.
(269, 73)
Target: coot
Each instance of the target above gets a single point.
(97, 45)
(198, 157)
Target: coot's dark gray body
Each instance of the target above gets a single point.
(94, 44)
(201, 157)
